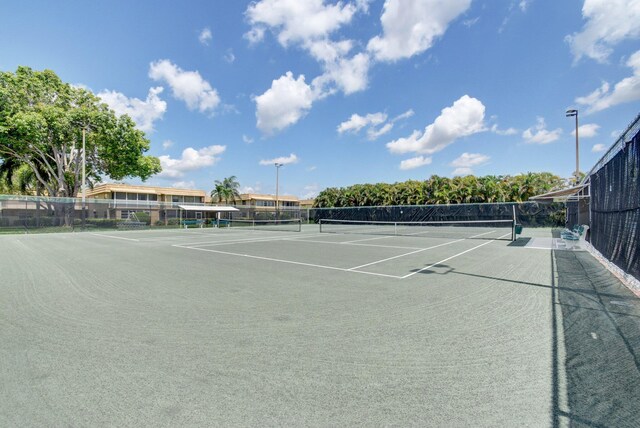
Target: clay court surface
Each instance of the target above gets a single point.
(228, 327)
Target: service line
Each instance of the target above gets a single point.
(454, 256)
(287, 261)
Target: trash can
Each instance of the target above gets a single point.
(518, 229)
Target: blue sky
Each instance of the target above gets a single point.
(357, 91)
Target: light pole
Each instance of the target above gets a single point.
(277, 165)
(577, 173)
(84, 178)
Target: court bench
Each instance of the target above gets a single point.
(196, 223)
(575, 236)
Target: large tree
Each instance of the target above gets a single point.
(41, 125)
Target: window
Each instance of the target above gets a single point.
(153, 197)
(121, 195)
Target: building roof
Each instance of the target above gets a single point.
(153, 190)
(259, 197)
(575, 192)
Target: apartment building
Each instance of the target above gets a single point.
(161, 203)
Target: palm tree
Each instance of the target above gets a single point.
(226, 190)
(217, 194)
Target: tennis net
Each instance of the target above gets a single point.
(285, 225)
(475, 229)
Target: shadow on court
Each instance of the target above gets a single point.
(601, 329)
(596, 341)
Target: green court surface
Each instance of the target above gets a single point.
(232, 327)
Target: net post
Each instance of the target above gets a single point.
(513, 226)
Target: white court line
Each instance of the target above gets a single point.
(423, 234)
(454, 256)
(115, 237)
(371, 239)
(242, 241)
(355, 245)
(288, 262)
(405, 254)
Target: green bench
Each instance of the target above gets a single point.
(575, 236)
(194, 223)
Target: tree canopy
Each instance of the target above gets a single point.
(41, 124)
(442, 190)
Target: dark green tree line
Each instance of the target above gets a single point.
(442, 190)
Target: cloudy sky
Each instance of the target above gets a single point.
(345, 92)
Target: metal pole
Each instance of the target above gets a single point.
(84, 178)
(577, 151)
(278, 165)
(513, 225)
(570, 113)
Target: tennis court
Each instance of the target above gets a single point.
(234, 326)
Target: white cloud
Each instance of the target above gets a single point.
(508, 131)
(465, 117)
(377, 124)
(255, 35)
(229, 56)
(283, 104)
(587, 130)
(625, 91)
(470, 22)
(411, 26)
(524, 5)
(205, 36)
(247, 139)
(285, 160)
(297, 21)
(309, 24)
(539, 134)
(256, 188)
(466, 161)
(187, 86)
(357, 122)
(311, 191)
(184, 184)
(349, 75)
(608, 22)
(462, 171)
(598, 148)
(190, 160)
(416, 162)
(144, 113)
(166, 144)
(374, 133)
(406, 115)
(312, 168)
